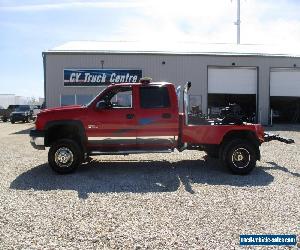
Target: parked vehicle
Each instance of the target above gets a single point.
(22, 113)
(145, 120)
(5, 113)
(35, 110)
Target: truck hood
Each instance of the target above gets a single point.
(75, 112)
(64, 108)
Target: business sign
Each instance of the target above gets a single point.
(100, 77)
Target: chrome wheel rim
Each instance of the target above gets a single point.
(63, 157)
(240, 158)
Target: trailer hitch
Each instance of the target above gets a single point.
(273, 137)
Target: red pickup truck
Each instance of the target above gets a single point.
(141, 118)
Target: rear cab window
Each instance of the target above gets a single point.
(152, 97)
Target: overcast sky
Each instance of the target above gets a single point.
(29, 27)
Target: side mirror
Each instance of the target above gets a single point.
(101, 105)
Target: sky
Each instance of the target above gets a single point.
(29, 27)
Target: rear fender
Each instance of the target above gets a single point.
(247, 135)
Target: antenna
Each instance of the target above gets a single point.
(238, 22)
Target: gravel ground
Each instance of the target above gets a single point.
(158, 201)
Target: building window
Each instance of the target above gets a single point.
(154, 97)
(66, 100)
(83, 99)
(195, 103)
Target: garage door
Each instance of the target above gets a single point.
(285, 82)
(232, 80)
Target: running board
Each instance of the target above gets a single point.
(127, 152)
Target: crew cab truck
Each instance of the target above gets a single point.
(141, 118)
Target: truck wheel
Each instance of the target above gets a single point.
(64, 156)
(12, 121)
(239, 156)
(212, 151)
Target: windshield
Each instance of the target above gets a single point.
(23, 108)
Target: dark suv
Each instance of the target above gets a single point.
(22, 113)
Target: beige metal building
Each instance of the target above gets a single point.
(258, 78)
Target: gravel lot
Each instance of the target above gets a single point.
(182, 201)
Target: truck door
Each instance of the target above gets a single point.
(157, 117)
(112, 125)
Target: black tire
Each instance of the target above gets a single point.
(4, 119)
(212, 151)
(12, 121)
(65, 150)
(239, 156)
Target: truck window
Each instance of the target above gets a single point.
(119, 97)
(154, 97)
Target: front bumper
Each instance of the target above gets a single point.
(18, 118)
(37, 139)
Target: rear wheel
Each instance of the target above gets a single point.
(64, 156)
(12, 121)
(239, 156)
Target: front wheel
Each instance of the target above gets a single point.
(64, 156)
(239, 156)
(212, 151)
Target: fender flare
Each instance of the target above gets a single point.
(74, 123)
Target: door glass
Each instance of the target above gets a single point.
(154, 97)
(119, 97)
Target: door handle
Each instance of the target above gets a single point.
(166, 115)
(130, 116)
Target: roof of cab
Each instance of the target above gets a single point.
(144, 84)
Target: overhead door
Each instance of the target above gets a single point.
(232, 86)
(232, 80)
(285, 82)
(285, 94)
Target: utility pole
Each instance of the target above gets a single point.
(238, 22)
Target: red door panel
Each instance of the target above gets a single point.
(157, 118)
(113, 128)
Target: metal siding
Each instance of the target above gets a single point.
(177, 69)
